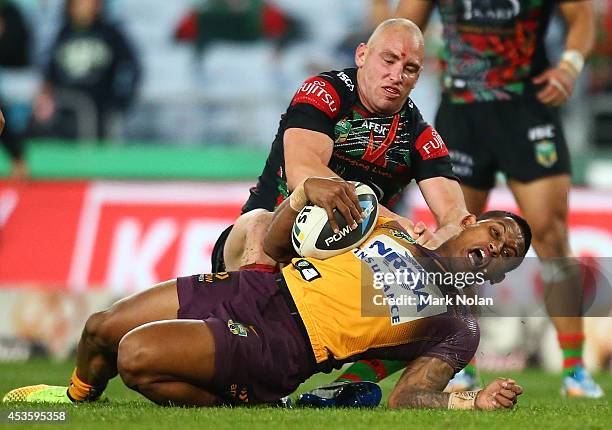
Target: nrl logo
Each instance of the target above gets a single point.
(546, 153)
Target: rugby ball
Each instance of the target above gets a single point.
(312, 235)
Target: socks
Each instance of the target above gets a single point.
(371, 370)
(571, 345)
(79, 391)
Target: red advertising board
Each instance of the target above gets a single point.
(122, 235)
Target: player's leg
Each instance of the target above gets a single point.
(544, 205)
(175, 372)
(217, 261)
(244, 245)
(537, 164)
(96, 361)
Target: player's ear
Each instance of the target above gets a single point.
(360, 54)
(468, 220)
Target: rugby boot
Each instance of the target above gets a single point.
(38, 394)
(581, 384)
(342, 394)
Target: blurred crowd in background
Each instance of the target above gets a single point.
(201, 72)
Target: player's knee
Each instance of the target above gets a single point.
(98, 329)
(246, 230)
(132, 361)
(550, 239)
(246, 244)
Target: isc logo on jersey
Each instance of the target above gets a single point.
(312, 235)
(319, 93)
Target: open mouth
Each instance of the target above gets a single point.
(392, 92)
(478, 257)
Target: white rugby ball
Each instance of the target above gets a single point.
(312, 235)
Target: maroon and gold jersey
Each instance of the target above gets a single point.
(492, 48)
(342, 308)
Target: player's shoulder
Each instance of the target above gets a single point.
(412, 110)
(329, 92)
(345, 81)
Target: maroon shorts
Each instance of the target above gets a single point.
(261, 353)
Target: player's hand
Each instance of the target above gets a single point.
(426, 237)
(502, 393)
(558, 86)
(1, 122)
(419, 232)
(334, 193)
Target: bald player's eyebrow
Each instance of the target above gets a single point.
(391, 54)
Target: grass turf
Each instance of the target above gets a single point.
(540, 407)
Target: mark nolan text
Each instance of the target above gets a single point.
(427, 300)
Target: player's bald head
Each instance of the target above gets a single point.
(389, 65)
(409, 28)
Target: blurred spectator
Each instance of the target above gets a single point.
(91, 78)
(14, 53)
(240, 21)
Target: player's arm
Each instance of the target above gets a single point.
(308, 141)
(421, 385)
(580, 19)
(438, 184)
(307, 153)
(559, 81)
(445, 200)
(323, 192)
(418, 11)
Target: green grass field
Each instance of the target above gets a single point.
(540, 407)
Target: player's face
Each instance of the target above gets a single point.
(493, 246)
(389, 69)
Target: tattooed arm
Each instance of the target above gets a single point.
(424, 379)
(421, 385)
